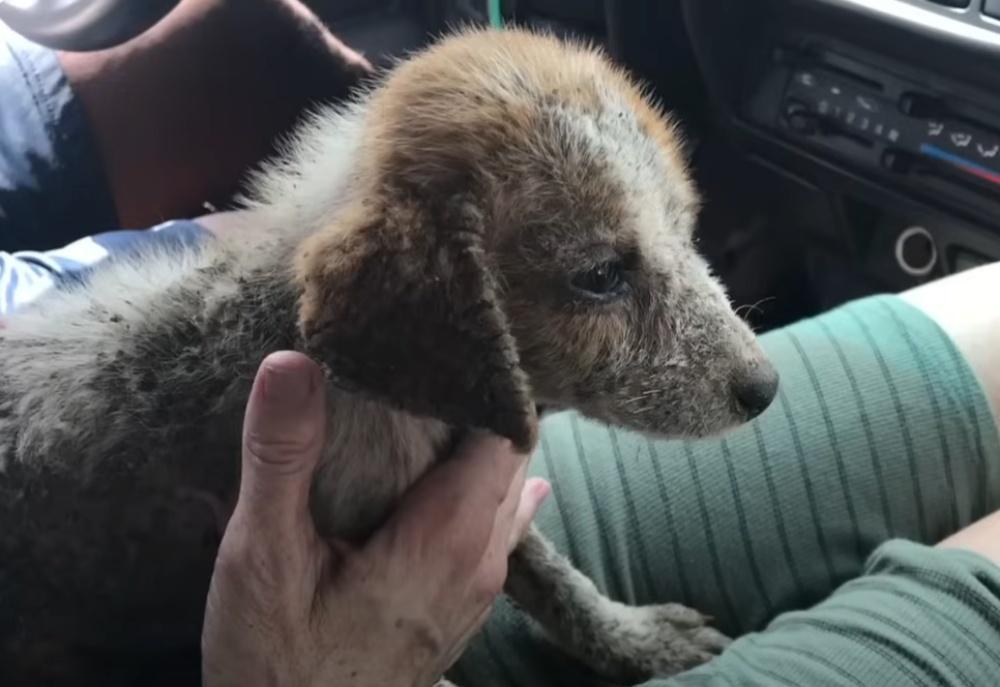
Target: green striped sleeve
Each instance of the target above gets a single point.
(919, 616)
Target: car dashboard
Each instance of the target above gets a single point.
(889, 108)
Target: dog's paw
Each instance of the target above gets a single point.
(657, 641)
(681, 638)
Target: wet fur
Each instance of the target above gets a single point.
(419, 244)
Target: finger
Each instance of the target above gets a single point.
(533, 495)
(492, 564)
(311, 24)
(283, 437)
(505, 513)
(512, 520)
(444, 524)
(486, 466)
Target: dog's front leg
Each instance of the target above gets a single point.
(624, 644)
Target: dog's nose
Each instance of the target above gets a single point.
(756, 388)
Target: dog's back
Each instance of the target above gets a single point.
(113, 397)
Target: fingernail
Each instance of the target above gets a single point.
(287, 383)
(540, 490)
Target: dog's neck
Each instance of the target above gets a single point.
(374, 452)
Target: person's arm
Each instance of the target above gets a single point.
(918, 616)
(965, 306)
(981, 538)
(26, 276)
(21, 281)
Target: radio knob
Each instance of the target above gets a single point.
(800, 119)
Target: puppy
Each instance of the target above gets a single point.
(504, 222)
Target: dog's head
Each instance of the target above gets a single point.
(519, 231)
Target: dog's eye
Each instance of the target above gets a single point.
(602, 282)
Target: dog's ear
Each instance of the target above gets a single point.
(400, 304)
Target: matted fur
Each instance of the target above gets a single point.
(422, 243)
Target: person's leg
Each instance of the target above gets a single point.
(183, 111)
(152, 129)
(881, 430)
(53, 189)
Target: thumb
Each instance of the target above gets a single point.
(283, 436)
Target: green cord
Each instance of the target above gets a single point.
(496, 15)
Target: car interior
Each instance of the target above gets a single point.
(843, 147)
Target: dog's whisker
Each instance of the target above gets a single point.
(752, 308)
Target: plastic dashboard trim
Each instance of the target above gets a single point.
(967, 26)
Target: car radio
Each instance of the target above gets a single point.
(906, 132)
(934, 144)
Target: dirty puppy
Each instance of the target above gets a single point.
(503, 221)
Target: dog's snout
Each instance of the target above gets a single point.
(756, 388)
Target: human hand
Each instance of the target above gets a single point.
(287, 608)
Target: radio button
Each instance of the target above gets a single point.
(988, 150)
(800, 119)
(961, 139)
